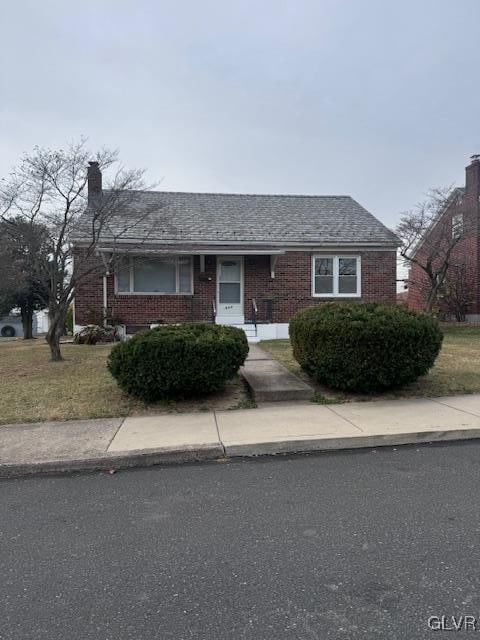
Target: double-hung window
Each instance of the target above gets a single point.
(167, 275)
(336, 276)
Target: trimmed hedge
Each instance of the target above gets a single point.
(178, 360)
(364, 347)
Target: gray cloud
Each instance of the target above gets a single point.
(377, 99)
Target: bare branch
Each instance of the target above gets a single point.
(429, 239)
(49, 188)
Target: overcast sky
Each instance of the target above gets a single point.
(378, 99)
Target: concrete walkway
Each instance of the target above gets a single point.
(270, 381)
(270, 429)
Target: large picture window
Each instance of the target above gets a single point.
(169, 274)
(336, 276)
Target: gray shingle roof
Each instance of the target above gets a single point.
(206, 218)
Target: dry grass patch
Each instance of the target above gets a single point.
(456, 371)
(35, 389)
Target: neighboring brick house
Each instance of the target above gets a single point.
(236, 259)
(460, 217)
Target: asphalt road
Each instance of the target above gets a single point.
(365, 544)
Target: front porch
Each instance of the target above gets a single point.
(237, 288)
(233, 306)
(258, 287)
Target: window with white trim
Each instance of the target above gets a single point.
(336, 276)
(167, 275)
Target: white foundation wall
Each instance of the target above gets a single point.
(274, 331)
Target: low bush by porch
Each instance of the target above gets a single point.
(456, 370)
(172, 361)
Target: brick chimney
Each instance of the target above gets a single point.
(472, 177)
(94, 178)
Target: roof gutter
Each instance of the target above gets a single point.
(190, 252)
(239, 247)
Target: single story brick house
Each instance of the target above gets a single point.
(247, 260)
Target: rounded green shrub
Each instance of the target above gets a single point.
(364, 347)
(178, 360)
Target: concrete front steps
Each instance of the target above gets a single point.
(261, 331)
(270, 381)
(250, 331)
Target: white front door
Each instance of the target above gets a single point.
(230, 290)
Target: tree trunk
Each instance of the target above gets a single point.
(53, 338)
(26, 312)
(432, 297)
(56, 327)
(55, 353)
(429, 304)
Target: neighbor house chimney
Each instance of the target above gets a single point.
(94, 177)
(472, 177)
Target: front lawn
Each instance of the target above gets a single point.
(456, 371)
(35, 389)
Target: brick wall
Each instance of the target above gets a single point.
(147, 309)
(288, 292)
(466, 253)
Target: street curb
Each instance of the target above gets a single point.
(127, 460)
(206, 453)
(347, 442)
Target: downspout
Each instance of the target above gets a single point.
(105, 292)
(105, 298)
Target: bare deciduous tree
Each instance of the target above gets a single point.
(457, 295)
(49, 188)
(429, 238)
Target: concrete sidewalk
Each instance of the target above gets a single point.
(270, 429)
